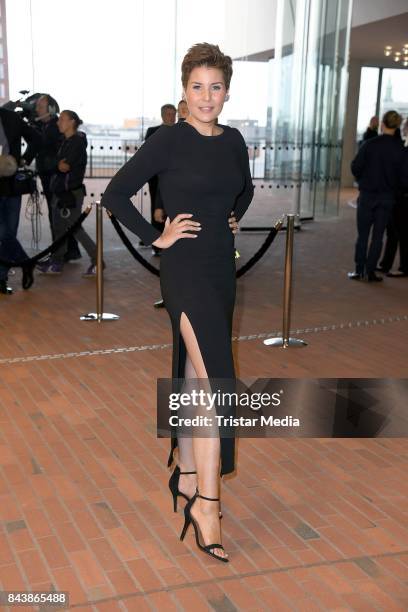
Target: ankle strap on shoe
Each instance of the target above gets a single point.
(208, 498)
(188, 472)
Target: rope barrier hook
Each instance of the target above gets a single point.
(99, 315)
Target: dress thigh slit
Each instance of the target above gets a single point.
(216, 355)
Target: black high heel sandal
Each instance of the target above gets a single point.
(174, 486)
(189, 519)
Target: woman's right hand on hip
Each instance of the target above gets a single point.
(180, 227)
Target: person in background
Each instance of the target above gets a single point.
(372, 130)
(68, 193)
(378, 169)
(12, 130)
(404, 132)
(159, 212)
(397, 228)
(182, 111)
(168, 115)
(46, 159)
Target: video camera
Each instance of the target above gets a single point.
(26, 106)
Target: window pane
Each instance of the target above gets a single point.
(367, 101)
(394, 89)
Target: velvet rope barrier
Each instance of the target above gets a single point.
(131, 248)
(242, 270)
(262, 250)
(31, 261)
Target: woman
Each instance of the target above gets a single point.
(204, 174)
(68, 193)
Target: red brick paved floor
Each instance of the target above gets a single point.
(310, 524)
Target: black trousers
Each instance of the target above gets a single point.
(397, 236)
(73, 248)
(10, 247)
(61, 224)
(373, 213)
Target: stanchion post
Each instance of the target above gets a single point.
(99, 261)
(285, 341)
(99, 315)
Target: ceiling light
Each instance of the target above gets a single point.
(398, 56)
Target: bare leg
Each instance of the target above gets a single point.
(186, 461)
(206, 455)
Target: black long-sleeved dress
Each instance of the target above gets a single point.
(209, 177)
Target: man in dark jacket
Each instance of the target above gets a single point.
(377, 168)
(12, 130)
(159, 215)
(46, 159)
(397, 228)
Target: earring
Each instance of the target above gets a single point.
(227, 98)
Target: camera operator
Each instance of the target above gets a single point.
(46, 159)
(68, 193)
(12, 130)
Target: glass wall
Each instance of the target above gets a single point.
(309, 79)
(367, 101)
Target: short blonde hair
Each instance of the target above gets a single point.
(204, 54)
